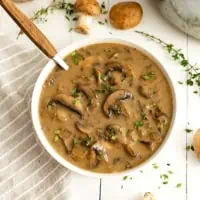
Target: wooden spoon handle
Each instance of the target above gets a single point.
(29, 28)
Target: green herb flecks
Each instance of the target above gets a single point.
(187, 130)
(56, 133)
(76, 58)
(178, 185)
(148, 76)
(125, 178)
(177, 55)
(87, 142)
(139, 123)
(155, 166)
(75, 93)
(170, 172)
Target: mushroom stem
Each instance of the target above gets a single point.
(84, 23)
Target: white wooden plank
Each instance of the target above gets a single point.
(84, 187)
(174, 151)
(193, 163)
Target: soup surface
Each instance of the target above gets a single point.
(111, 110)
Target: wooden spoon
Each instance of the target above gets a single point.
(36, 36)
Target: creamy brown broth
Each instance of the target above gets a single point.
(111, 110)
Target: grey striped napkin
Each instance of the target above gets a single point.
(26, 170)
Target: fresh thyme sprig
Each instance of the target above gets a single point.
(41, 15)
(193, 78)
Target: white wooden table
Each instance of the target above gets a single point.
(185, 166)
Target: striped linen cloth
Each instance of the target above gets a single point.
(26, 170)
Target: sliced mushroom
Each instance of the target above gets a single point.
(79, 153)
(146, 91)
(116, 78)
(116, 133)
(84, 128)
(114, 98)
(70, 102)
(98, 73)
(124, 109)
(125, 15)
(91, 62)
(129, 147)
(93, 161)
(117, 66)
(67, 137)
(102, 146)
(196, 143)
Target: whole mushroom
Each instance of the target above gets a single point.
(125, 15)
(85, 9)
(196, 143)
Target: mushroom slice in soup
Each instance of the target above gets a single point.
(70, 102)
(146, 91)
(93, 158)
(92, 61)
(67, 137)
(84, 128)
(113, 99)
(117, 66)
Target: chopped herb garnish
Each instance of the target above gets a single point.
(56, 133)
(87, 141)
(187, 130)
(155, 166)
(70, 29)
(170, 172)
(75, 93)
(122, 186)
(148, 76)
(195, 92)
(139, 124)
(192, 147)
(165, 182)
(168, 164)
(178, 185)
(125, 178)
(180, 82)
(164, 176)
(141, 171)
(76, 58)
(103, 77)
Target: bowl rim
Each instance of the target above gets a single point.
(48, 69)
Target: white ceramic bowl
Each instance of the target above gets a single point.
(36, 97)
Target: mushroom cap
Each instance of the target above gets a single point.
(89, 7)
(125, 15)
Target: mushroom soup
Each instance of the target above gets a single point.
(111, 110)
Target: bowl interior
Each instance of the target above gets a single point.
(38, 89)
